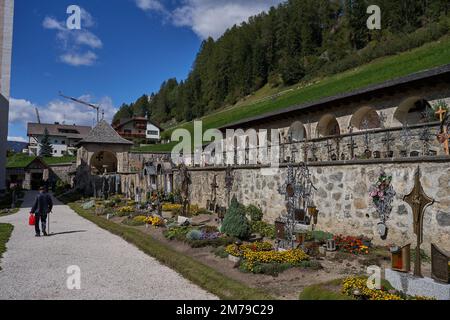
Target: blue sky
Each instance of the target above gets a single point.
(125, 48)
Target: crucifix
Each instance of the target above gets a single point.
(229, 179)
(338, 146)
(214, 187)
(365, 126)
(425, 136)
(418, 201)
(405, 136)
(443, 136)
(313, 151)
(305, 148)
(387, 142)
(100, 157)
(329, 149)
(352, 145)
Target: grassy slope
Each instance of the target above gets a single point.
(428, 56)
(5, 234)
(200, 274)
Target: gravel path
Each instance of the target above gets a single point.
(111, 268)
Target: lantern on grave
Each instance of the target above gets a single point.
(300, 215)
(280, 229)
(313, 212)
(401, 258)
(301, 237)
(331, 245)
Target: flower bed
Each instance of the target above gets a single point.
(259, 256)
(171, 207)
(198, 238)
(124, 211)
(349, 244)
(358, 285)
(155, 221)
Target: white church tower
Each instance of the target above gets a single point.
(6, 32)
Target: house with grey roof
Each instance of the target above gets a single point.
(103, 150)
(63, 138)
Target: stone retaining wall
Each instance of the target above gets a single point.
(342, 197)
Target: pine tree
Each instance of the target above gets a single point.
(235, 223)
(46, 148)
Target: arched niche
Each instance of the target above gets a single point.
(104, 161)
(297, 132)
(365, 118)
(412, 110)
(328, 126)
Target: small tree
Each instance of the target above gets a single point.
(235, 223)
(46, 147)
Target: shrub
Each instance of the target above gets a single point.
(254, 213)
(235, 223)
(177, 233)
(263, 228)
(220, 252)
(194, 235)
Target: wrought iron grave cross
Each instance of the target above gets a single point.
(387, 142)
(418, 201)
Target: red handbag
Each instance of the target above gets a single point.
(32, 220)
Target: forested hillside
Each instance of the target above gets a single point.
(294, 42)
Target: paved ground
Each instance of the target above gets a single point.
(111, 268)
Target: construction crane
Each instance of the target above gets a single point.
(96, 107)
(37, 115)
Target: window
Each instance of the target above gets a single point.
(63, 142)
(55, 151)
(152, 132)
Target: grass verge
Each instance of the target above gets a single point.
(200, 274)
(5, 233)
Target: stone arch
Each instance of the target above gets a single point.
(365, 114)
(104, 160)
(297, 132)
(328, 126)
(411, 110)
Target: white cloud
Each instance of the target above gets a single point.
(52, 24)
(149, 5)
(211, 18)
(23, 111)
(17, 139)
(72, 42)
(79, 59)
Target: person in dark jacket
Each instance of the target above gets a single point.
(43, 205)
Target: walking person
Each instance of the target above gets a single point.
(43, 205)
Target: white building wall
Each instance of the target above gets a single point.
(153, 132)
(59, 145)
(6, 31)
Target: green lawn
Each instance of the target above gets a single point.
(5, 234)
(380, 70)
(193, 270)
(23, 160)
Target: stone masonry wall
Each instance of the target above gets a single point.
(342, 197)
